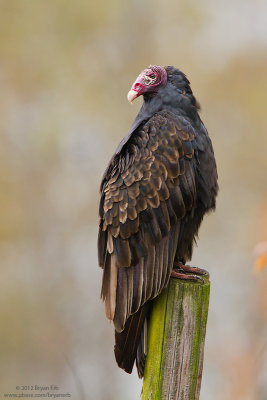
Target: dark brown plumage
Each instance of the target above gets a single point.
(159, 184)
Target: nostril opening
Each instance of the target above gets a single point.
(137, 86)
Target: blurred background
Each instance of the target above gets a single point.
(65, 70)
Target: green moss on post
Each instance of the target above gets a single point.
(176, 342)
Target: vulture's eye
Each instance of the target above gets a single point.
(150, 79)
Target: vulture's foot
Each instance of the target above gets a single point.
(191, 270)
(182, 271)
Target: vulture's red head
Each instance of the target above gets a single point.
(149, 81)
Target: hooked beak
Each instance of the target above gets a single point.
(132, 95)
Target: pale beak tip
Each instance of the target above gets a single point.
(132, 95)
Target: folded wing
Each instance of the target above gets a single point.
(147, 190)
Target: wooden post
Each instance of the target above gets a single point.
(176, 338)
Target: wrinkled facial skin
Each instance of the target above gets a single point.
(149, 81)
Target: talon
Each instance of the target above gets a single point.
(189, 277)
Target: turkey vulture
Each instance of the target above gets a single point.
(160, 182)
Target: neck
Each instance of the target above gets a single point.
(170, 98)
(167, 98)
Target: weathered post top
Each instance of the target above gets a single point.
(176, 338)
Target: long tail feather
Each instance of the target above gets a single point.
(127, 341)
